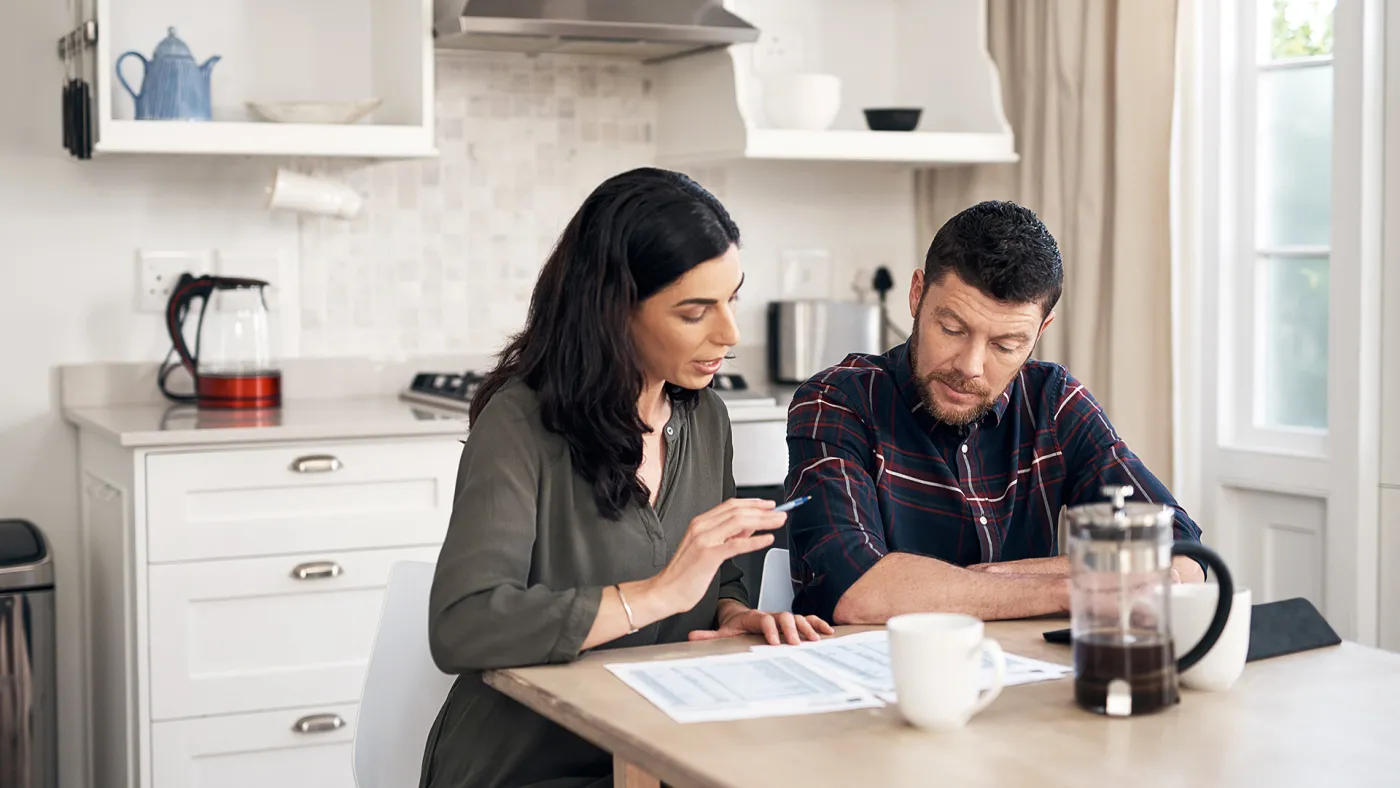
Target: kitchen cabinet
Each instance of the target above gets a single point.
(272, 52)
(928, 54)
(232, 595)
(241, 750)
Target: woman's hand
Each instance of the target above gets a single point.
(730, 529)
(776, 628)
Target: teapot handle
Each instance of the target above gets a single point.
(145, 64)
(1222, 605)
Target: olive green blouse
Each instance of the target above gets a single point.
(522, 571)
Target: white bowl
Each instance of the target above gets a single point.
(803, 101)
(313, 111)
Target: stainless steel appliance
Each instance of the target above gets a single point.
(28, 704)
(650, 30)
(807, 336)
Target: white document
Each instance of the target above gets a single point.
(864, 659)
(741, 686)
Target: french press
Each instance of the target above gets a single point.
(1120, 604)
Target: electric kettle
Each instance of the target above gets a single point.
(232, 363)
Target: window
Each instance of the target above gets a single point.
(1292, 213)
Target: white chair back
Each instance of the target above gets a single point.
(403, 688)
(775, 589)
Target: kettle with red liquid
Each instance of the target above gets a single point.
(232, 361)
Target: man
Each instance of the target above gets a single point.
(939, 468)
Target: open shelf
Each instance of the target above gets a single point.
(887, 53)
(917, 147)
(274, 51)
(266, 139)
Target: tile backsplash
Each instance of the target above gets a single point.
(445, 252)
(444, 255)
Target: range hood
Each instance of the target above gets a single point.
(649, 30)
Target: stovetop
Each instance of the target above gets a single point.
(454, 390)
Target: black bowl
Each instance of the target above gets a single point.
(893, 118)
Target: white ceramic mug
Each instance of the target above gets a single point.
(1193, 605)
(937, 663)
(293, 191)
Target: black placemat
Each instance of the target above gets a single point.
(1275, 628)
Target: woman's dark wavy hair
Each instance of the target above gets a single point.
(635, 234)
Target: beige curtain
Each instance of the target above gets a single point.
(1087, 88)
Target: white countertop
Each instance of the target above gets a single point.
(312, 419)
(322, 399)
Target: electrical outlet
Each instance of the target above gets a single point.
(806, 273)
(157, 273)
(778, 51)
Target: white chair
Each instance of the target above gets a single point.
(775, 588)
(403, 688)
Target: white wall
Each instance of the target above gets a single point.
(456, 240)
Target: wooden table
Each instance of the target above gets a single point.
(1319, 718)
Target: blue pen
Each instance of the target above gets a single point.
(793, 504)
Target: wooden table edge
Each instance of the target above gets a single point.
(636, 765)
(633, 765)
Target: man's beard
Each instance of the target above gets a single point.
(952, 380)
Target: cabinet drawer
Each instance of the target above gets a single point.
(296, 498)
(264, 749)
(250, 634)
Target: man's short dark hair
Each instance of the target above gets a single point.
(1003, 250)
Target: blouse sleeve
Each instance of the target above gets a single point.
(482, 613)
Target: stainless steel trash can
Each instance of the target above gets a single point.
(28, 706)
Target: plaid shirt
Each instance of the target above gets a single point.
(886, 476)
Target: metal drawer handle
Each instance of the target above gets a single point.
(316, 570)
(316, 463)
(318, 723)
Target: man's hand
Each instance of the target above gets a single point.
(908, 583)
(1055, 565)
(1186, 570)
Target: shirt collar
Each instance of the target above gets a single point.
(913, 398)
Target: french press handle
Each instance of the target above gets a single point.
(1118, 494)
(1192, 549)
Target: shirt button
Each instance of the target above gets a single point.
(964, 448)
(984, 520)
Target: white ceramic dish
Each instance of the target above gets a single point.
(337, 112)
(802, 101)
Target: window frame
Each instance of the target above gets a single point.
(1243, 285)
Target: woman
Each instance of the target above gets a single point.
(594, 504)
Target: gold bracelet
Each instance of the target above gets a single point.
(626, 608)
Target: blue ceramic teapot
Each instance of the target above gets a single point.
(173, 86)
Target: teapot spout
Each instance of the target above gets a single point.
(209, 64)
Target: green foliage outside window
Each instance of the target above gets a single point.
(1302, 28)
